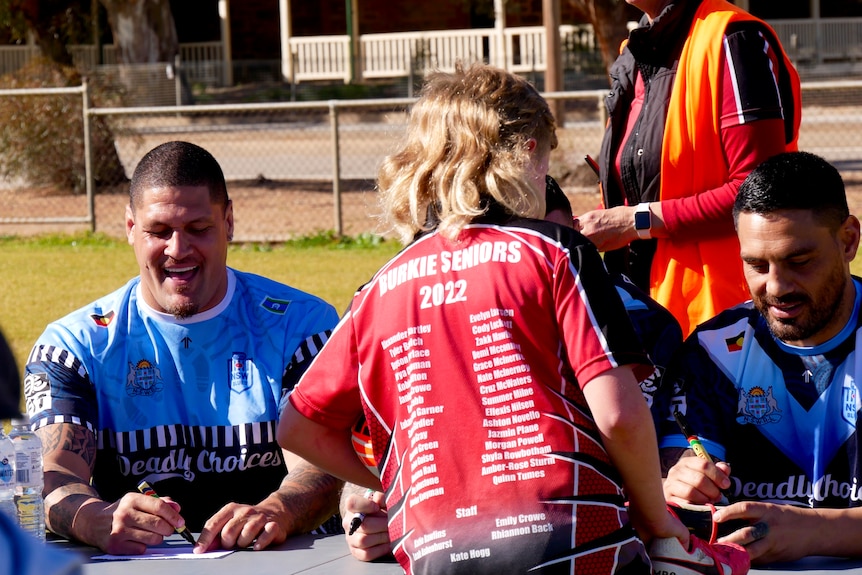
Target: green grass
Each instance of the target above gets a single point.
(44, 278)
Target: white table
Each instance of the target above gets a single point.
(328, 555)
(307, 554)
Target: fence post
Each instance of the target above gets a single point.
(178, 82)
(410, 79)
(88, 156)
(336, 166)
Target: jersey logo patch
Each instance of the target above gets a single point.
(850, 402)
(649, 386)
(757, 406)
(278, 306)
(239, 364)
(37, 390)
(103, 320)
(143, 379)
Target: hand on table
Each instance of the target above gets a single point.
(239, 525)
(371, 540)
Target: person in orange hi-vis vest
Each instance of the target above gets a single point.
(701, 94)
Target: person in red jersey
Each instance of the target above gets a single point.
(492, 359)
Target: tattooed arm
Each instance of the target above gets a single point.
(306, 498)
(68, 453)
(74, 509)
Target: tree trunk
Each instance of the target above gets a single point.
(608, 18)
(44, 18)
(144, 30)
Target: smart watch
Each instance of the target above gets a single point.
(643, 221)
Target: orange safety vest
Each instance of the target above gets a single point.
(697, 280)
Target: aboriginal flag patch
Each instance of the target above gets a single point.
(103, 320)
(735, 343)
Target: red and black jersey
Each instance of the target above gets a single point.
(468, 359)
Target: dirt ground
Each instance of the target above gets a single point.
(264, 211)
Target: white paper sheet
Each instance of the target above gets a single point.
(178, 552)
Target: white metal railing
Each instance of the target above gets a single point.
(387, 55)
(202, 61)
(445, 48)
(84, 56)
(399, 54)
(522, 49)
(525, 49)
(816, 41)
(321, 58)
(14, 57)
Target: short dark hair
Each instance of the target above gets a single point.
(178, 164)
(794, 181)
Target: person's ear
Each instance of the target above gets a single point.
(228, 216)
(849, 234)
(531, 144)
(130, 225)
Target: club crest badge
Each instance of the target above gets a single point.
(143, 379)
(757, 406)
(239, 368)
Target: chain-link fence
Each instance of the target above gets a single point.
(297, 168)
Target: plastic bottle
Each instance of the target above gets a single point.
(7, 476)
(28, 491)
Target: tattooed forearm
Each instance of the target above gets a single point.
(69, 453)
(67, 437)
(309, 496)
(62, 506)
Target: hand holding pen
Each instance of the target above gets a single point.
(696, 445)
(693, 440)
(365, 509)
(145, 488)
(359, 517)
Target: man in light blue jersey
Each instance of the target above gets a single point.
(770, 385)
(175, 379)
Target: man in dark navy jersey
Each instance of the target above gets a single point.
(770, 385)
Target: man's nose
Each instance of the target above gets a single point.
(177, 245)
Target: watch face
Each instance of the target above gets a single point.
(642, 221)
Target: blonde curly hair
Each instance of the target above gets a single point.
(467, 141)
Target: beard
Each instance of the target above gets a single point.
(817, 315)
(183, 310)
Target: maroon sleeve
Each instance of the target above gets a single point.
(708, 213)
(752, 130)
